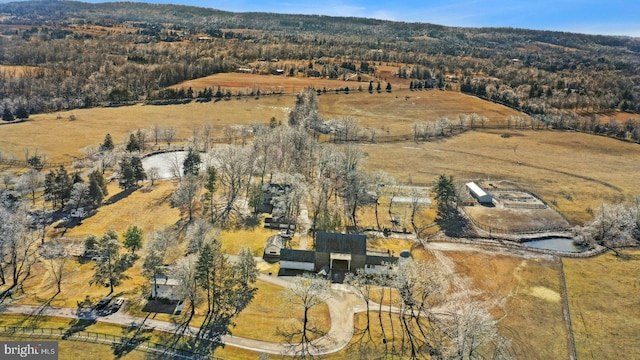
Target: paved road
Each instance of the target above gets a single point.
(342, 305)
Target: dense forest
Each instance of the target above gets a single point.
(84, 55)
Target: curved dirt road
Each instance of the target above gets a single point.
(342, 306)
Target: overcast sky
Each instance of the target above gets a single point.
(607, 17)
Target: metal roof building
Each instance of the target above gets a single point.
(476, 191)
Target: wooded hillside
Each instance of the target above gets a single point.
(96, 54)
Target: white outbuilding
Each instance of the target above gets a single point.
(479, 194)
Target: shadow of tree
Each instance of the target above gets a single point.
(37, 315)
(87, 319)
(363, 347)
(251, 222)
(625, 256)
(127, 261)
(452, 222)
(298, 342)
(121, 195)
(132, 336)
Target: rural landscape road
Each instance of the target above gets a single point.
(342, 306)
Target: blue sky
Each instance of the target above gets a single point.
(612, 17)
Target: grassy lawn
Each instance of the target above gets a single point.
(262, 318)
(603, 299)
(79, 349)
(523, 295)
(233, 240)
(148, 208)
(361, 347)
(367, 218)
(267, 313)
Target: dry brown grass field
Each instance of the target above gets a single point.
(523, 294)
(515, 220)
(604, 303)
(367, 218)
(266, 83)
(62, 140)
(17, 71)
(395, 112)
(148, 208)
(68, 349)
(574, 171)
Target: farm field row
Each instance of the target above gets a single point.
(62, 140)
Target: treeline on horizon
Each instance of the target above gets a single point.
(541, 72)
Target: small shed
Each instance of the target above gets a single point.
(272, 248)
(479, 194)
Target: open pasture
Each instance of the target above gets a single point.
(522, 294)
(290, 85)
(63, 139)
(572, 172)
(392, 113)
(605, 310)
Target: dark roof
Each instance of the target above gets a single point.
(298, 255)
(341, 243)
(378, 260)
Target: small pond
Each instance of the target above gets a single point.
(168, 163)
(557, 244)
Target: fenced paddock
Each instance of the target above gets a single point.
(517, 199)
(99, 338)
(514, 220)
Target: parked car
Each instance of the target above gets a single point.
(103, 302)
(116, 305)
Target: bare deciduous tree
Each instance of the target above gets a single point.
(612, 226)
(153, 174)
(186, 195)
(168, 135)
(472, 332)
(55, 257)
(31, 181)
(306, 293)
(206, 137)
(17, 247)
(232, 175)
